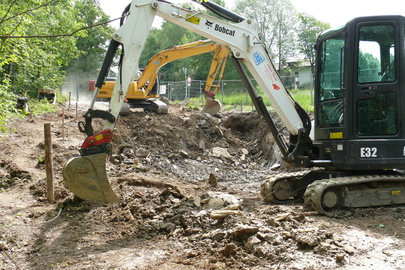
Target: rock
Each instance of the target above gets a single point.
(218, 214)
(128, 161)
(244, 232)
(251, 243)
(272, 222)
(210, 119)
(339, 258)
(323, 248)
(349, 249)
(184, 153)
(215, 203)
(3, 245)
(222, 153)
(233, 207)
(212, 180)
(175, 201)
(306, 240)
(229, 249)
(201, 213)
(197, 201)
(141, 152)
(282, 217)
(226, 197)
(201, 144)
(215, 235)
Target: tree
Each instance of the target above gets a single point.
(28, 64)
(276, 20)
(308, 30)
(92, 46)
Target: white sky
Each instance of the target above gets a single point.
(336, 12)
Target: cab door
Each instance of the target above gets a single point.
(376, 87)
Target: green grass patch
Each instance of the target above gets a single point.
(36, 107)
(302, 97)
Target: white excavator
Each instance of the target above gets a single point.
(357, 153)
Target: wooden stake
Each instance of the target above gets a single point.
(63, 124)
(48, 163)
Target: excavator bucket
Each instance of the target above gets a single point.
(212, 106)
(86, 177)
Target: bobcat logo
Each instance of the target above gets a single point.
(209, 24)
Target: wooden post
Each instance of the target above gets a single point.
(69, 99)
(63, 124)
(48, 163)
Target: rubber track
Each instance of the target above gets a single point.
(314, 191)
(267, 185)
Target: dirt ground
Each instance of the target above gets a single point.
(189, 188)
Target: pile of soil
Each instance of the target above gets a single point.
(188, 185)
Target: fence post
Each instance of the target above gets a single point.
(48, 163)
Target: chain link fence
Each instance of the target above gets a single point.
(182, 90)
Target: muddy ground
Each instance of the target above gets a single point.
(177, 176)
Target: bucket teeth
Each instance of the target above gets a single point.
(86, 177)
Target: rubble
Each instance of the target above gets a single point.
(188, 185)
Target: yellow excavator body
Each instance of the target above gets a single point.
(142, 89)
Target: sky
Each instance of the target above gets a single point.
(114, 8)
(336, 12)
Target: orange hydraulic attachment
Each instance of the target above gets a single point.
(104, 136)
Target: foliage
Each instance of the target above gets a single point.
(91, 46)
(36, 63)
(369, 67)
(276, 20)
(38, 107)
(302, 97)
(37, 46)
(308, 30)
(6, 106)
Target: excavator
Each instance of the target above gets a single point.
(143, 93)
(353, 152)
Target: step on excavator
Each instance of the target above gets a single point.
(144, 92)
(355, 155)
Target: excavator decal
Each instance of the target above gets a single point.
(193, 19)
(258, 58)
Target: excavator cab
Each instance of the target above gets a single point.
(359, 92)
(358, 151)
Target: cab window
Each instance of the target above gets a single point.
(331, 79)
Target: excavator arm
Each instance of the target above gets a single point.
(238, 35)
(183, 51)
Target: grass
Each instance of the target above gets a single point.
(243, 101)
(35, 108)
